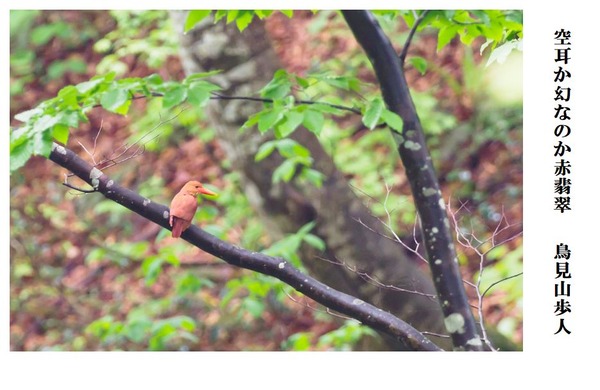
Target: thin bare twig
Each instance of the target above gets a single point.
(371, 280)
(467, 239)
(445, 336)
(373, 230)
(67, 184)
(141, 146)
(389, 224)
(124, 152)
(500, 281)
(218, 96)
(327, 310)
(471, 242)
(411, 34)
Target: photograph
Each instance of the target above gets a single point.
(281, 184)
(351, 180)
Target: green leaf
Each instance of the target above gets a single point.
(170, 258)
(252, 120)
(293, 119)
(409, 19)
(174, 96)
(470, 34)
(216, 230)
(161, 332)
(315, 242)
(19, 135)
(233, 286)
(419, 63)
(285, 171)
(495, 32)
(154, 79)
(286, 248)
(219, 14)
(27, 115)
(88, 86)
(445, 35)
(190, 284)
(95, 256)
(151, 267)
(193, 18)
(354, 84)
(288, 13)
(265, 150)
(373, 113)
(392, 119)
(254, 307)
(304, 83)
(22, 270)
(19, 155)
(186, 323)
(263, 13)
(298, 342)
(103, 45)
(207, 213)
(42, 34)
(198, 95)
(138, 329)
(60, 133)
(341, 82)
(202, 75)
(68, 97)
(450, 13)
(124, 109)
(501, 53)
(103, 327)
(69, 118)
(58, 68)
(114, 99)
(43, 123)
(313, 121)
(244, 20)
(42, 143)
(289, 148)
(269, 118)
(278, 87)
(313, 176)
(199, 83)
(327, 109)
(306, 228)
(232, 15)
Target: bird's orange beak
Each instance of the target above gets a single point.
(207, 192)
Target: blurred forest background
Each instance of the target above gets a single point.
(87, 274)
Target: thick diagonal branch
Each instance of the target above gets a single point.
(415, 156)
(343, 303)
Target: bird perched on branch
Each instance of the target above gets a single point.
(184, 205)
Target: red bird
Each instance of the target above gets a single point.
(184, 205)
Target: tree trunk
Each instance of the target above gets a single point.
(248, 62)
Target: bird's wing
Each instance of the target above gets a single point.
(184, 206)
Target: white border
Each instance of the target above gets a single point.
(548, 361)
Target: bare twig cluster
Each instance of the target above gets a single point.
(121, 154)
(481, 248)
(466, 239)
(374, 281)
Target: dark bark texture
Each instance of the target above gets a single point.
(415, 156)
(248, 62)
